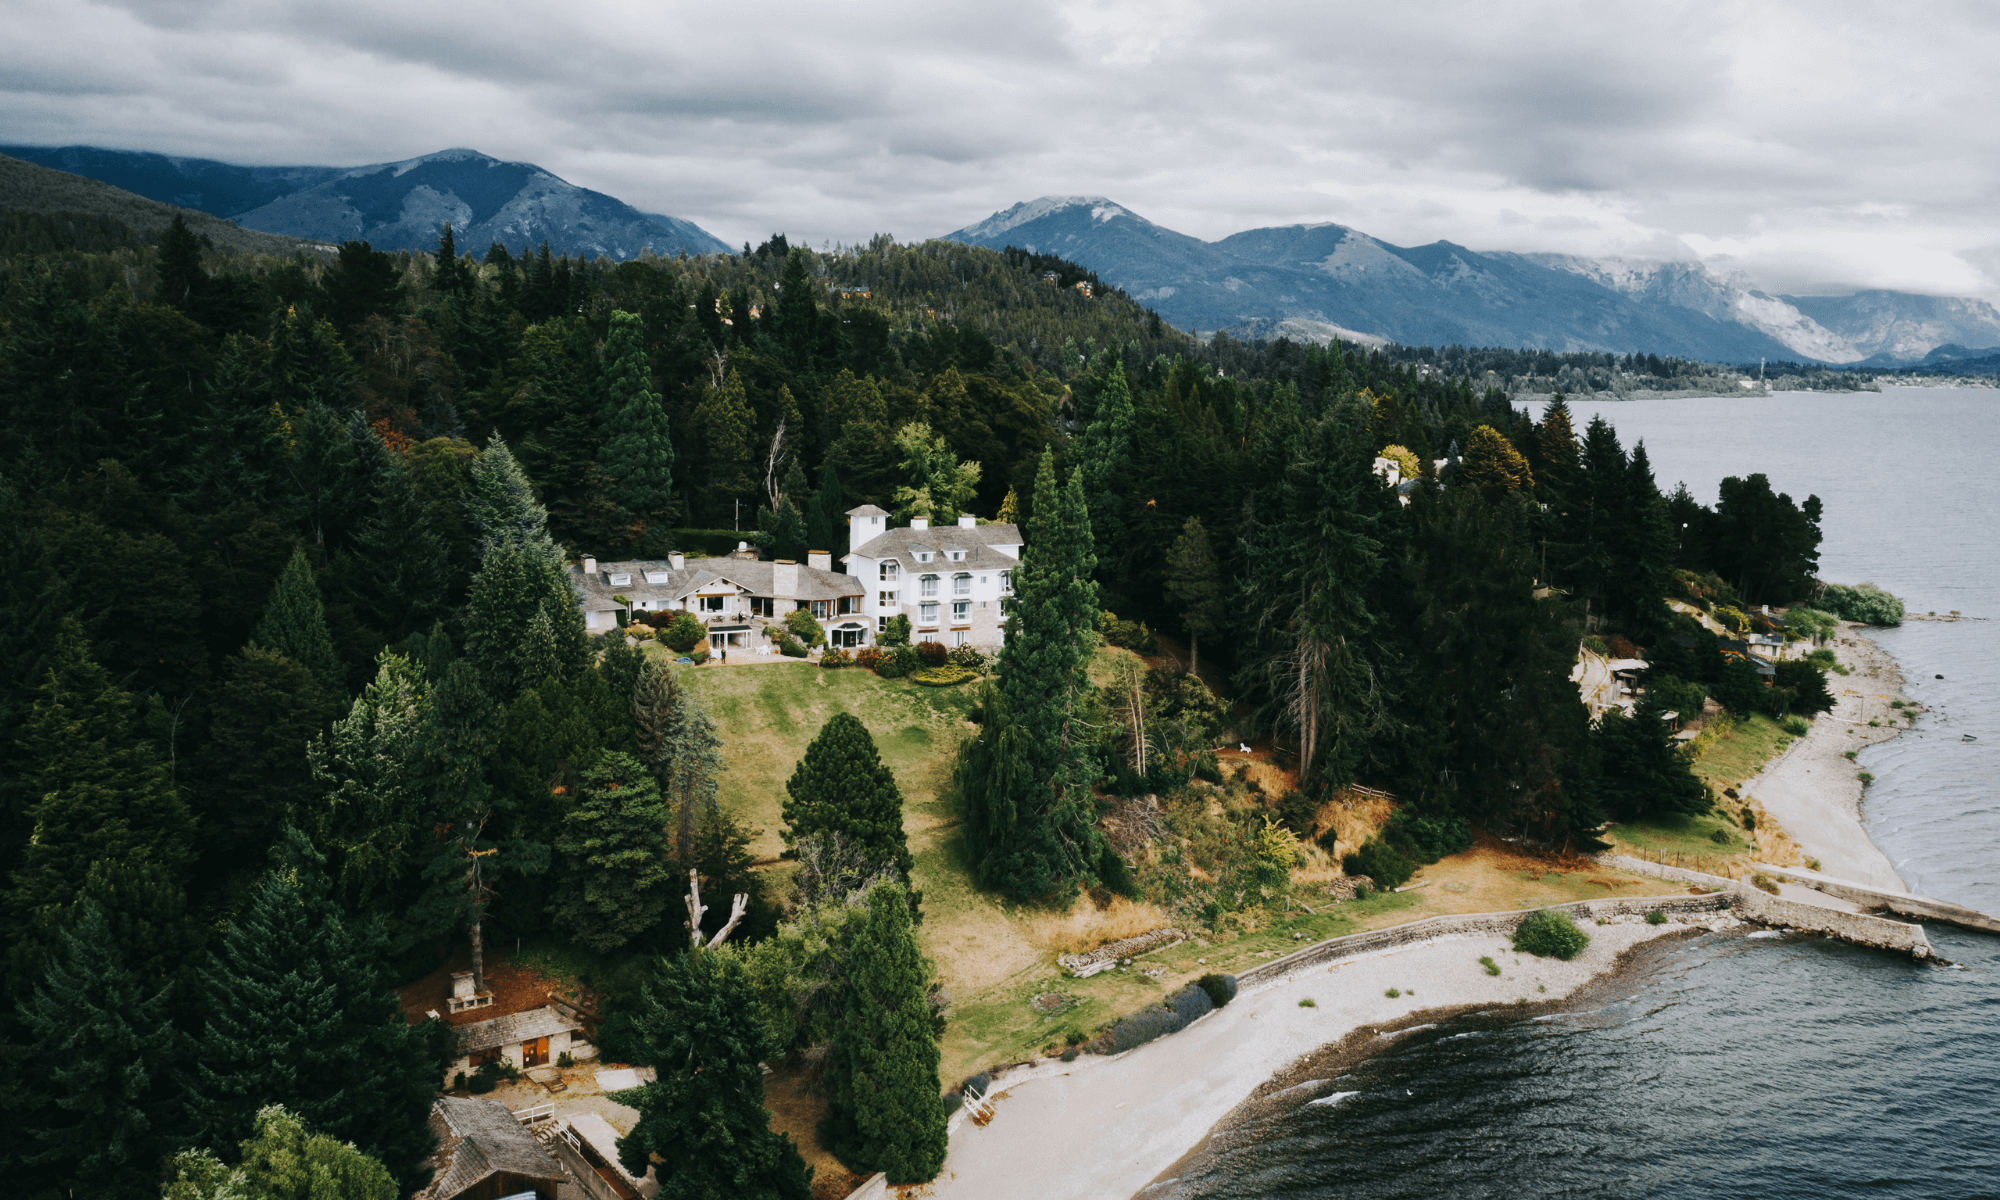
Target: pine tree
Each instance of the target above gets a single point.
(1194, 581)
(501, 503)
(841, 786)
(230, 450)
(457, 729)
(300, 1014)
(703, 1117)
(294, 626)
(614, 885)
(516, 593)
(183, 280)
(1010, 509)
(454, 277)
(1026, 778)
(402, 568)
(104, 1053)
(103, 796)
(1492, 465)
(727, 430)
(254, 772)
(365, 766)
(309, 367)
(1105, 456)
(826, 520)
(638, 450)
(886, 1110)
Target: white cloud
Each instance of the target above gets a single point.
(1814, 144)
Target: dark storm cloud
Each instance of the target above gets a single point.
(1811, 144)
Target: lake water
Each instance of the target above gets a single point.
(1727, 1065)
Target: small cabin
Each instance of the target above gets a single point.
(484, 1153)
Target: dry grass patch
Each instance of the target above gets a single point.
(1086, 926)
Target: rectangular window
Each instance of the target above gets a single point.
(890, 570)
(961, 610)
(958, 637)
(849, 605)
(1007, 581)
(927, 613)
(711, 604)
(820, 610)
(881, 624)
(886, 599)
(622, 579)
(961, 585)
(928, 586)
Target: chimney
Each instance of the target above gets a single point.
(967, 521)
(785, 578)
(744, 551)
(920, 522)
(590, 564)
(820, 560)
(677, 560)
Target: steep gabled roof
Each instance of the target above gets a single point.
(481, 1138)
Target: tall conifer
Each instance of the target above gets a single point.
(300, 1014)
(841, 786)
(887, 1113)
(638, 450)
(613, 884)
(294, 625)
(703, 1117)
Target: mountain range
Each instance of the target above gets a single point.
(393, 206)
(1326, 280)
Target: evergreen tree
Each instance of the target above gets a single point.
(1026, 778)
(678, 742)
(254, 771)
(281, 1161)
(102, 796)
(183, 280)
(638, 450)
(613, 849)
(1642, 772)
(1594, 517)
(886, 1111)
(105, 1052)
(522, 622)
(1105, 456)
(230, 450)
(703, 1117)
(826, 520)
(31, 609)
(365, 766)
(454, 276)
(727, 430)
(1644, 573)
(300, 1014)
(1194, 582)
(841, 786)
(940, 486)
(402, 568)
(309, 367)
(1492, 465)
(294, 626)
(501, 503)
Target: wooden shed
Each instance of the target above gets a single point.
(484, 1153)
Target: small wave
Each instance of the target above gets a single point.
(1401, 1032)
(1330, 1101)
(1297, 1087)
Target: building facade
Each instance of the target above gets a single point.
(954, 582)
(735, 597)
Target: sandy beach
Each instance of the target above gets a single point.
(1812, 789)
(1100, 1128)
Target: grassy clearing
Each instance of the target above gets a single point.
(1740, 751)
(1688, 836)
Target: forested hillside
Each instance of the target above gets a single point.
(294, 691)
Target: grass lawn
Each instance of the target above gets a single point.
(1684, 835)
(1741, 752)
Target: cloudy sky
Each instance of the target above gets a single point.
(1818, 146)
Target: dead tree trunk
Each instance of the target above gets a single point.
(696, 910)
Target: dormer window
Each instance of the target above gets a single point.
(958, 556)
(891, 569)
(656, 578)
(621, 579)
(923, 556)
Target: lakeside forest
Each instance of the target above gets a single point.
(295, 693)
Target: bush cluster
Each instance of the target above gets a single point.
(894, 662)
(968, 657)
(1176, 1013)
(800, 623)
(1864, 602)
(1132, 635)
(683, 632)
(945, 676)
(790, 647)
(1221, 989)
(933, 653)
(835, 658)
(1550, 933)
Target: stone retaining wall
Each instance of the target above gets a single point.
(1902, 903)
(1858, 928)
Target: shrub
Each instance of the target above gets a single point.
(1075, 1037)
(977, 1083)
(1277, 844)
(1221, 989)
(1190, 1004)
(1864, 602)
(968, 657)
(1797, 726)
(1364, 892)
(1380, 862)
(1670, 693)
(565, 1059)
(1866, 778)
(700, 652)
(1299, 813)
(1550, 934)
(1812, 625)
(835, 658)
(790, 647)
(945, 676)
(1491, 967)
(867, 656)
(1392, 993)
(1749, 818)
(896, 633)
(1656, 917)
(481, 1084)
(933, 653)
(1597, 645)
(1719, 836)
(1116, 875)
(889, 664)
(1132, 635)
(1426, 839)
(1069, 1055)
(1142, 1027)
(1307, 1002)
(803, 627)
(1812, 864)
(684, 633)
(1764, 883)
(1207, 767)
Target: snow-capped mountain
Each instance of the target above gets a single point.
(1338, 281)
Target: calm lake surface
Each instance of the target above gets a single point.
(1726, 1065)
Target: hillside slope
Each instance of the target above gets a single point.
(34, 188)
